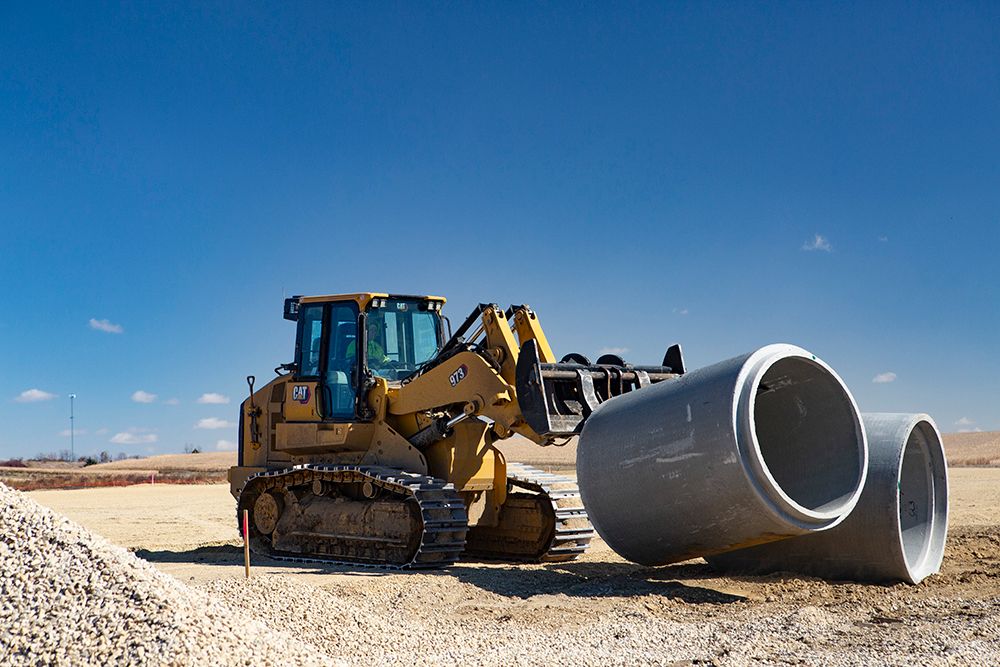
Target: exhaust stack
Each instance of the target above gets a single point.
(751, 450)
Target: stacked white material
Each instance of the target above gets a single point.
(68, 596)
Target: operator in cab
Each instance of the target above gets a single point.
(376, 352)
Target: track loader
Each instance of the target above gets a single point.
(376, 446)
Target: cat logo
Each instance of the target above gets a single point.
(458, 375)
(300, 393)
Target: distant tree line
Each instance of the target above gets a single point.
(87, 460)
(65, 455)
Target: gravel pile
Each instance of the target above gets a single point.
(69, 597)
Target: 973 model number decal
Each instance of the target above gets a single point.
(458, 375)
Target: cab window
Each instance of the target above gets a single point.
(401, 335)
(310, 338)
(425, 336)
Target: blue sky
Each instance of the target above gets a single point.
(720, 175)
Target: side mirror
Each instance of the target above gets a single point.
(292, 308)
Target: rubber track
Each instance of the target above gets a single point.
(568, 541)
(442, 509)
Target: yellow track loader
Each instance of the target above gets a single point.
(375, 446)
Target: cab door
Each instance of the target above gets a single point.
(326, 357)
(339, 360)
(302, 394)
(319, 408)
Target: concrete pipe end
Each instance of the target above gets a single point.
(801, 435)
(922, 498)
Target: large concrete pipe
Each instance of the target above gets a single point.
(757, 448)
(896, 532)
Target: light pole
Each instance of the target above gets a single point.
(72, 429)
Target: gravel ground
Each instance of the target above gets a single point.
(69, 597)
(599, 610)
(637, 618)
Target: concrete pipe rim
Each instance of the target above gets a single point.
(788, 484)
(922, 551)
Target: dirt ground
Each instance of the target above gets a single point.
(205, 461)
(205, 468)
(603, 609)
(976, 449)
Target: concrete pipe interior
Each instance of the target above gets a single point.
(808, 434)
(919, 504)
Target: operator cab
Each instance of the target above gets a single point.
(396, 334)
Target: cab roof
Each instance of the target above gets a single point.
(364, 298)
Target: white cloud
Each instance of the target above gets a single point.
(33, 396)
(680, 311)
(883, 238)
(141, 396)
(967, 426)
(213, 423)
(172, 401)
(101, 431)
(77, 431)
(134, 437)
(213, 399)
(225, 446)
(883, 378)
(818, 243)
(106, 326)
(613, 350)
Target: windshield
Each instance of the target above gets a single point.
(401, 335)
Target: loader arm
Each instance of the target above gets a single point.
(498, 366)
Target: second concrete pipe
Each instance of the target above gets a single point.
(758, 448)
(897, 531)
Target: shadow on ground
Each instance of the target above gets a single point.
(228, 554)
(586, 579)
(596, 579)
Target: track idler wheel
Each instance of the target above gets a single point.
(266, 511)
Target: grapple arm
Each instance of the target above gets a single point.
(553, 398)
(556, 398)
